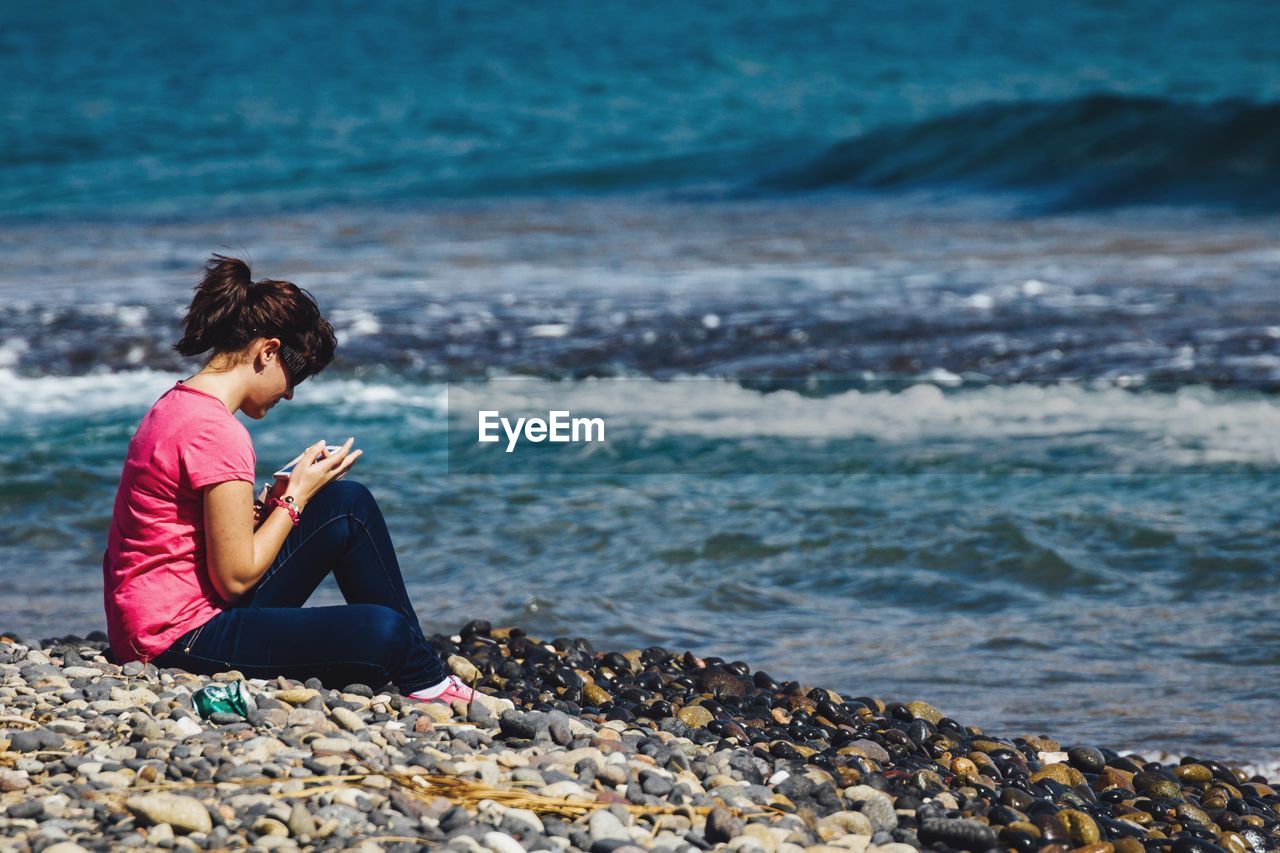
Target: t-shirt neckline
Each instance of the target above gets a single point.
(185, 387)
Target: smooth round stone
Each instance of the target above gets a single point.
(694, 716)
(1015, 798)
(1234, 843)
(1096, 847)
(924, 711)
(1086, 759)
(1186, 812)
(297, 696)
(1060, 773)
(596, 695)
(500, 842)
(270, 826)
(1112, 777)
(1188, 844)
(840, 824)
(347, 719)
(184, 814)
(1138, 817)
(960, 834)
(1156, 786)
(1022, 842)
(1079, 827)
(1193, 773)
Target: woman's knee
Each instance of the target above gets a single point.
(383, 628)
(350, 496)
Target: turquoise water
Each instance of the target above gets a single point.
(167, 110)
(938, 345)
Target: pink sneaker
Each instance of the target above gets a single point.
(454, 691)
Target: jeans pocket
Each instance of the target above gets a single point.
(188, 640)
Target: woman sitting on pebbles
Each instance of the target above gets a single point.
(200, 576)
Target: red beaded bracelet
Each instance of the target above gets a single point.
(286, 503)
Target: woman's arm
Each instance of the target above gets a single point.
(237, 555)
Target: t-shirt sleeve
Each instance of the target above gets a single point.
(219, 451)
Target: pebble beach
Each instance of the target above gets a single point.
(573, 749)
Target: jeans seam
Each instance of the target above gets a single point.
(407, 611)
(403, 605)
(276, 569)
(246, 664)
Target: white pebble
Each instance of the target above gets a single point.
(185, 727)
(500, 842)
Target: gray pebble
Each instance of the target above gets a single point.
(658, 786)
(604, 825)
(722, 826)
(28, 810)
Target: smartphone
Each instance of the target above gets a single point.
(284, 472)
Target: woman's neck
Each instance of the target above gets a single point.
(226, 385)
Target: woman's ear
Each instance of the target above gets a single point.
(265, 350)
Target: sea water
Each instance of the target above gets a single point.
(938, 347)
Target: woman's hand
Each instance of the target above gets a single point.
(317, 469)
(240, 552)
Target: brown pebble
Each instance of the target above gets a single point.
(1079, 826)
(1128, 845)
(849, 776)
(964, 768)
(596, 695)
(1193, 773)
(694, 716)
(1024, 826)
(1234, 842)
(423, 724)
(1111, 777)
(1059, 773)
(1188, 812)
(1042, 744)
(924, 711)
(986, 745)
(1098, 847)
(1140, 818)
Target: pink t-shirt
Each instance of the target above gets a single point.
(154, 575)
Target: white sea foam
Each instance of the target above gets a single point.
(1191, 426)
(33, 399)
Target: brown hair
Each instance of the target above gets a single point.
(230, 310)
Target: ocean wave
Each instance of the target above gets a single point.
(1192, 426)
(1092, 152)
(37, 399)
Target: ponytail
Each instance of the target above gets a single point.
(221, 300)
(230, 310)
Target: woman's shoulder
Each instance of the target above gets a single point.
(187, 414)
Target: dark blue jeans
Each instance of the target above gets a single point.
(373, 639)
